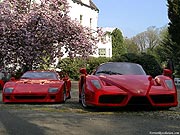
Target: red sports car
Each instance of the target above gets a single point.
(1, 80)
(37, 86)
(1, 84)
(119, 84)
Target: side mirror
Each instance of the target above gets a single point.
(66, 77)
(167, 72)
(12, 79)
(1, 84)
(83, 71)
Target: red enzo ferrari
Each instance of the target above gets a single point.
(37, 86)
(119, 84)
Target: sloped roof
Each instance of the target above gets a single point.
(92, 5)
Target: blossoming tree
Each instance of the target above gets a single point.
(32, 34)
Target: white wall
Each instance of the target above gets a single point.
(106, 44)
(77, 10)
(86, 2)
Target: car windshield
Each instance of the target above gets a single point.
(39, 75)
(120, 68)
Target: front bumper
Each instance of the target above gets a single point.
(32, 98)
(125, 99)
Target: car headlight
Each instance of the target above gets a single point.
(53, 90)
(96, 84)
(169, 83)
(8, 90)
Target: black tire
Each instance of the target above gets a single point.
(64, 94)
(83, 97)
(1, 87)
(69, 97)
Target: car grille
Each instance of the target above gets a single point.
(29, 97)
(111, 99)
(7, 97)
(158, 99)
(139, 100)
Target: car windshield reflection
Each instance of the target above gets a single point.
(39, 75)
(120, 68)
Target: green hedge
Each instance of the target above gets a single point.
(72, 66)
(148, 62)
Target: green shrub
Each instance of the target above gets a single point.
(93, 63)
(72, 66)
(128, 57)
(148, 62)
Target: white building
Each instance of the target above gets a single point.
(86, 12)
(104, 46)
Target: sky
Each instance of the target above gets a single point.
(132, 16)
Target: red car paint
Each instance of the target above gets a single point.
(125, 85)
(33, 87)
(1, 84)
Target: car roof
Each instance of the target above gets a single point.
(41, 71)
(120, 62)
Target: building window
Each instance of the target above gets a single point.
(102, 52)
(81, 18)
(103, 39)
(90, 21)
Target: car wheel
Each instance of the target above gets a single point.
(69, 95)
(64, 94)
(1, 87)
(83, 97)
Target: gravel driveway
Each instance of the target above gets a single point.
(71, 119)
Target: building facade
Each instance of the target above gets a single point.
(86, 13)
(104, 46)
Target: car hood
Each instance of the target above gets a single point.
(34, 86)
(135, 84)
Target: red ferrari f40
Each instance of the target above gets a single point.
(37, 86)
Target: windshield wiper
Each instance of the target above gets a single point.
(109, 72)
(116, 73)
(25, 77)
